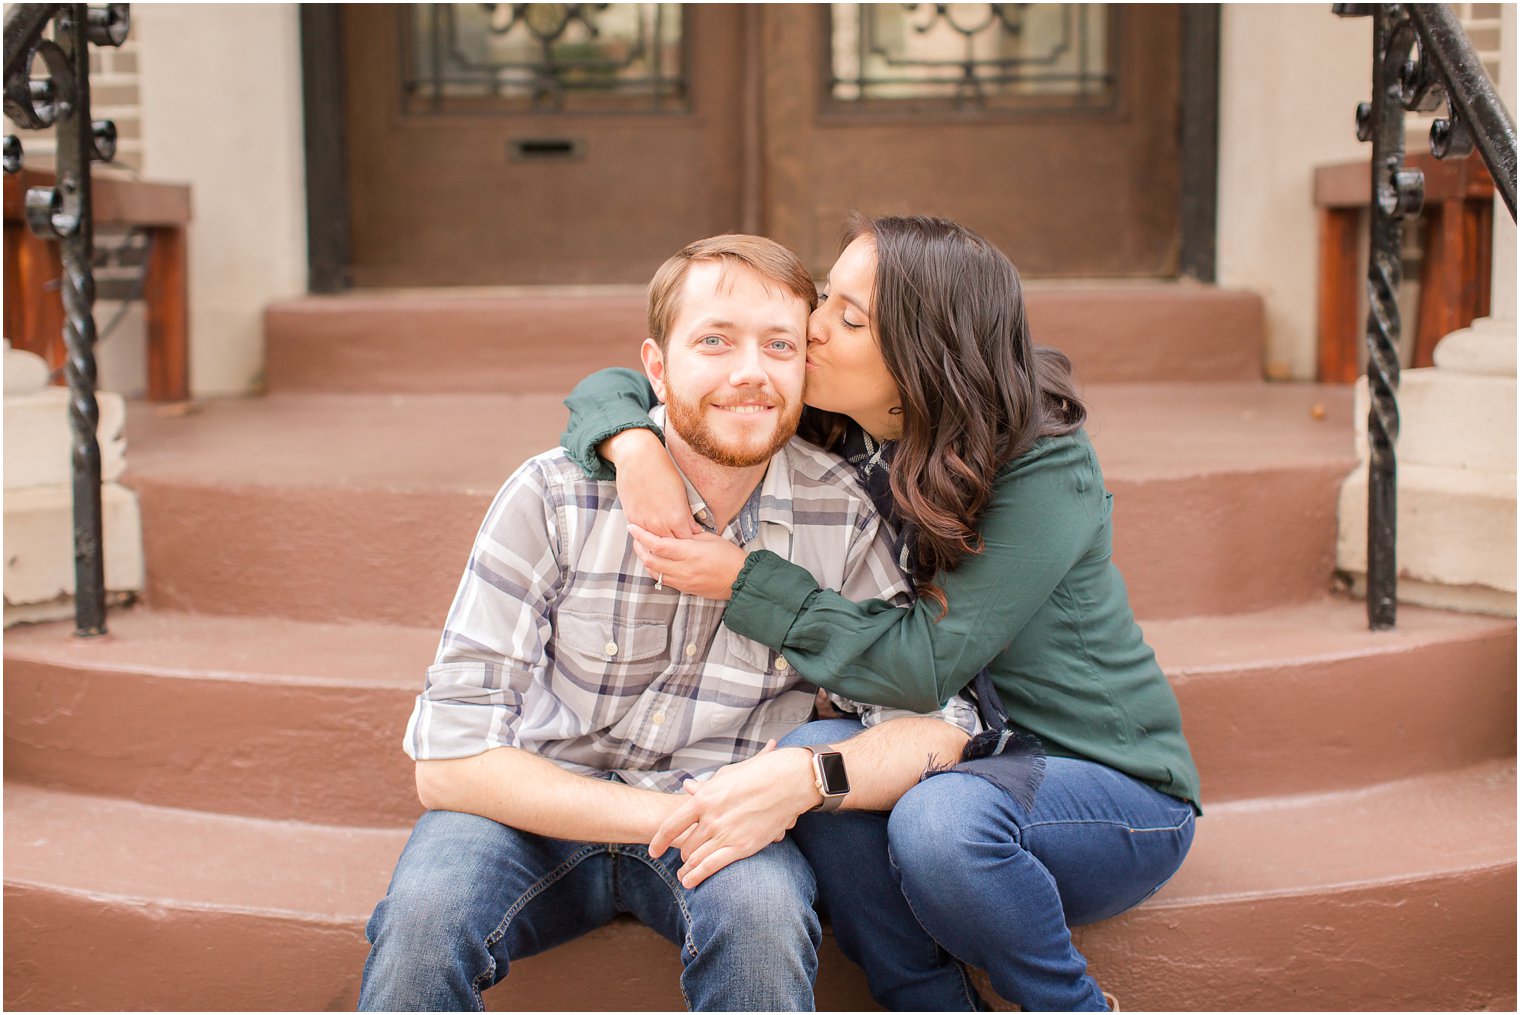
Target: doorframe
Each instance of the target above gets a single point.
(327, 227)
(1199, 123)
(327, 253)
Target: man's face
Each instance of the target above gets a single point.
(731, 374)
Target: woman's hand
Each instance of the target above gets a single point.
(742, 809)
(650, 489)
(704, 565)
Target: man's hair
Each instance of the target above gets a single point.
(773, 262)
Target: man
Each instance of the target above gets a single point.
(573, 694)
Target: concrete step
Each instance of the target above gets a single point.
(363, 507)
(1397, 897)
(525, 340)
(235, 714)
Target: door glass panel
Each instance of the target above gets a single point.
(543, 58)
(979, 56)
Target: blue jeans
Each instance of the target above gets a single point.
(960, 864)
(469, 895)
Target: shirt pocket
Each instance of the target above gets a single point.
(610, 651)
(775, 674)
(781, 699)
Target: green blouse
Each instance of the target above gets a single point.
(1042, 606)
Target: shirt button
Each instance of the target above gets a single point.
(612, 648)
(782, 664)
(691, 650)
(658, 719)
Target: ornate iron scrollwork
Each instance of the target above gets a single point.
(109, 25)
(1011, 16)
(62, 212)
(545, 55)
(103, 141)
(34, 104)
(969, 53)
(1420, 57)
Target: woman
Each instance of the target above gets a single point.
(970, 440)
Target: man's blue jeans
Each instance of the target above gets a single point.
(470, 894)
(961, 863)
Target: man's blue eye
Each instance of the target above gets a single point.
(710, 340)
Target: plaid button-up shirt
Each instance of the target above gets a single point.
(559, 643)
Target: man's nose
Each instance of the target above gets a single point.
(748, 368)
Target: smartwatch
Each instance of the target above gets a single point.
(830, 778)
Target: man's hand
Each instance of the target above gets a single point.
(742, 809)
(650, 488)
(704, 565)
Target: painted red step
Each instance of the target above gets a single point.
(533, 340)
(1398, 897)
(363, 507)
(237, 714)
(261, 717)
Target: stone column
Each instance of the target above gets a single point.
(39, 513)
(1456, 449)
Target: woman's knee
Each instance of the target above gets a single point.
(946, 819)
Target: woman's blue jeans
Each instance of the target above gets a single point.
(469, 895)
(959, 862)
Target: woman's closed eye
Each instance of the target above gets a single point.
(823, 297)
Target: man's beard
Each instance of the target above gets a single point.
(689, 421)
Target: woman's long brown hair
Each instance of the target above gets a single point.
(949, 314)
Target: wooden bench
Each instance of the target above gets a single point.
(1454, 279)
(34, 315)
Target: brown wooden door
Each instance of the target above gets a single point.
(1050, 128)
(452, 185)
(1069, 180)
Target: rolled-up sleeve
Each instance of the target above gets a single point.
(494, 645)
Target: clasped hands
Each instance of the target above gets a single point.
(742, 809)
(703, 565)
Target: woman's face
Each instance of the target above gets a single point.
(845, 371)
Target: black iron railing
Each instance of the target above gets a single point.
(1420, 57)
(58, 96)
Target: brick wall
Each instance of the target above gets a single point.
(1482, 24)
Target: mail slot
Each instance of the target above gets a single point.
(537, 149)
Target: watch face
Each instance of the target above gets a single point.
(832, 767)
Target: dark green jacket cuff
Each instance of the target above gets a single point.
(589, 436)
(601, 406)
(768, 595)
